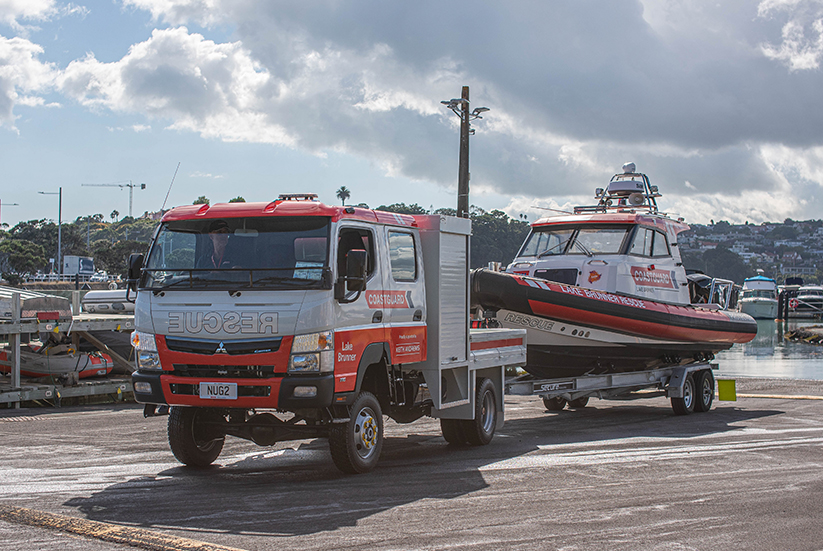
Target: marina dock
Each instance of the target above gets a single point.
(13, 390)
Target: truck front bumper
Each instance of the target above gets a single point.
(287, 393)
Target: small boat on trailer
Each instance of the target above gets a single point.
(604, 290)
(59, 361)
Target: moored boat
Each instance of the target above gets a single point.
(759, 297)
(808, 303)
(604, 290)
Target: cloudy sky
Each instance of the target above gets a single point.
(719, 102)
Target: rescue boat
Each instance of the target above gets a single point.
(604, 290)
(41, 361)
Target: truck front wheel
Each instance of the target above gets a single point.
(192, 439)
(355, 445)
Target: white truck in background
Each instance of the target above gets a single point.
(294, 319)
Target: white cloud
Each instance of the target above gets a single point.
(801, 47)
(22, 76)
(703, 96)
(198, 174)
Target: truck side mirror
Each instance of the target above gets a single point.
(135, 270)
(356, 260)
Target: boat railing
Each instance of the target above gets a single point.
(724, 293)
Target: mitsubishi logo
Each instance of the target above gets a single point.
(221, 349)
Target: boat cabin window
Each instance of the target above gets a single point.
(547, 242)
(588, 240)
(648, 242)
(758, 293)
(591, 241)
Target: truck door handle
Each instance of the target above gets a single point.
(418, 315)
(377, 317)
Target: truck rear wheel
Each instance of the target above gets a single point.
(355, 445)
(480, 430)
(705, 390)
(685, 405)
(554, 404)
(453, 431)
(192, 441)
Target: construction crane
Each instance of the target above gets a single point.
(121, 185)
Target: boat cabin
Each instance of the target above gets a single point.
(621, 245)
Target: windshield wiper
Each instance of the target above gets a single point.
(550, 249)
(583, 248)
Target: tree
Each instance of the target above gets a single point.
(403, 208)
(237, 199)
(343, 193)
(202, 200)
(21, 256)
(114, 214)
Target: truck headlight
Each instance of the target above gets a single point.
(145, 348)
(149, 361)
(312, 353)
(143, 341)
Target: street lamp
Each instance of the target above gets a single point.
(8, 205)
(460, 106)
(59, 225)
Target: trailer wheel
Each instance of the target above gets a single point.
(191, 440)
(579, 403)
(685, 405)
(453, 431)
(480, 430)
(554, 404)
(705, 391)
(355, 445)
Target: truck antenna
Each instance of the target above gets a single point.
(171, 184)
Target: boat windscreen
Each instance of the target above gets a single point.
(587, 240)
(284, 252)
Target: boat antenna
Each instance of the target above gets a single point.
(171, 184)
(553, 210)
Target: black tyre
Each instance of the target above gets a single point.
(704, 388)
(355, 445)
(554, 404)
(685, 405)
(579, 403)
(193, 438)
(453, 431)
(480, 430)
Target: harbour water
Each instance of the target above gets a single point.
(770, 355)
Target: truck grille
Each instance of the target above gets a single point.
(232, 348)
(224, 371)
(242, 390)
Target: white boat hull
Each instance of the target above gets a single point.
(759, 308)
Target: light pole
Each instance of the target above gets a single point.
(460, 106)
(59, 225)
(8, 205)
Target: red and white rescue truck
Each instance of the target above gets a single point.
(294, 319)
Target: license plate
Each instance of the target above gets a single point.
(218, 391)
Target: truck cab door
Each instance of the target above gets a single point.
(360, 322)
(404, 297)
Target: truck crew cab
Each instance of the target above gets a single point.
(294, 319)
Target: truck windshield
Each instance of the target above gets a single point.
(283, 253)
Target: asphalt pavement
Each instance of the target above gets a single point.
(615, 475)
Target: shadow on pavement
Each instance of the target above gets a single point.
(296, 491)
